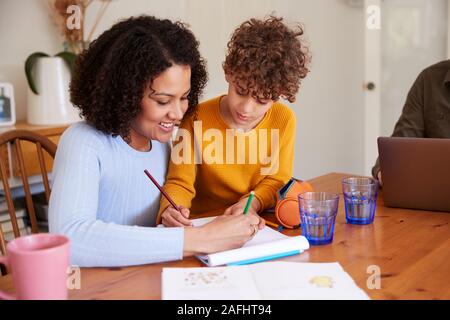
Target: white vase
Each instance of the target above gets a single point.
(52, 104)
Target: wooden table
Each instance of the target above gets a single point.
(411, 248)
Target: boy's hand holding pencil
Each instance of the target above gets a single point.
(247, 205)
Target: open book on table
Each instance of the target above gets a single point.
(269, 280)
(267, 244)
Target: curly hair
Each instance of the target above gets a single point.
(267, 59)
(111, 75)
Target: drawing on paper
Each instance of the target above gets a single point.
(205, 279)
(322, 281)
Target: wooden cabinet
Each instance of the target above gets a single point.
(29, 150)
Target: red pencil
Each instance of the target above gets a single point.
(162, 190)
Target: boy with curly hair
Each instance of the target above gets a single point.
(266, 61)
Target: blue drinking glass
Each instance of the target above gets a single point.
(360, 198)
(318, 211)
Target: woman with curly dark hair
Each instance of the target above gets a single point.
(133, 85)
(266, 61)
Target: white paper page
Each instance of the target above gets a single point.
(269, 280)
(305, 281)
(202, 221)
(208, 284)
(265, 235)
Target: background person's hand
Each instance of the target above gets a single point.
(379, 178)
(173, 218)
(238, 209)
(225, 232)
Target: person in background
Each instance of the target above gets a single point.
(426, 113)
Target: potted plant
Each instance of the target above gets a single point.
(49, 76)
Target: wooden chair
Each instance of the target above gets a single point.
(14, 137)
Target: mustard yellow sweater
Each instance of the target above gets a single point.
(213, 166)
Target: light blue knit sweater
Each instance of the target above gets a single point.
(102, 200)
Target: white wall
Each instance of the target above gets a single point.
(330, 103)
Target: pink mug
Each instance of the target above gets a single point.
(38, 264)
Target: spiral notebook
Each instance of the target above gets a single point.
(267, 244)
(269, 280)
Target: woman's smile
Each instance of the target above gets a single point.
(166, 126)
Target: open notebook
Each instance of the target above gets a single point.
(269, 280)
(267, 244)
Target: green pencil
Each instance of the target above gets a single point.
(250, 198)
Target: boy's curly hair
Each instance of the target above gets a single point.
(110, 77)
(267, 59)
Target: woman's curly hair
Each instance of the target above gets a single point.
(110, 77)
(267, 59)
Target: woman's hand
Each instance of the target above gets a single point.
(223, 233)
(238, 209)
(173, 218)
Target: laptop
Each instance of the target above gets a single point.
(415, 173)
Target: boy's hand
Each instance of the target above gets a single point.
(173, 218)
(238, 208)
